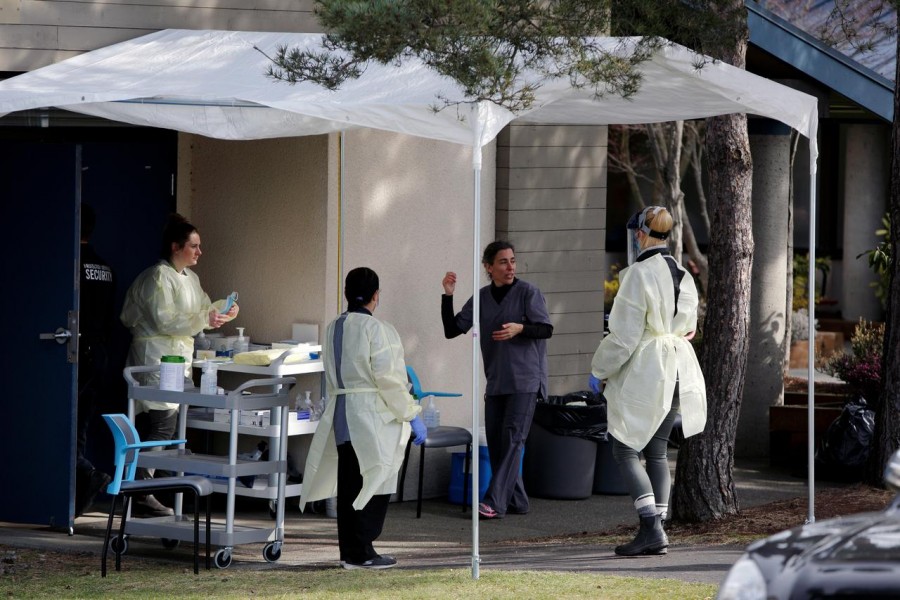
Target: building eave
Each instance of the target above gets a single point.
(820, 62)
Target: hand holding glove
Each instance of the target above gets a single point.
(595, 384)
(419, 431)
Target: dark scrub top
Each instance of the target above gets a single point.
(512, 366)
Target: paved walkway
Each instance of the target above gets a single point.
(442, 537)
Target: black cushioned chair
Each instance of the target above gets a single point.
(438, 437)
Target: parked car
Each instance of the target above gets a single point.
(857, 556)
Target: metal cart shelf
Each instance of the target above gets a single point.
(277, 368)
(255, 394)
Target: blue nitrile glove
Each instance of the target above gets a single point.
(419, 431)
(594, 384)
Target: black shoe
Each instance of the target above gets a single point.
(89, 486)
(379, 562)
(148, 506)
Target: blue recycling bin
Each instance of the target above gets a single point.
(457, 468)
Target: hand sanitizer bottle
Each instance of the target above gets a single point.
(208, 381)
(241, 344)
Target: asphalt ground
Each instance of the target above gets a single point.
(443, 536)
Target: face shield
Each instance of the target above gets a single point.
(638, 222)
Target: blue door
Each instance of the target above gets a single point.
(127, 175)
(39, 208)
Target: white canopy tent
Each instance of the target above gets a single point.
(213, 83)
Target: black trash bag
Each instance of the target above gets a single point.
(844, 449)
(560, 415)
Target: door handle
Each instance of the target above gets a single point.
(61, 335)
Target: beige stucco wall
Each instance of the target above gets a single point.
(260, 207)
(408, 214)
(276, 228)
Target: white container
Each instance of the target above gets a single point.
(209, 380)
(431, 416)
(242, 343)
(171, 373)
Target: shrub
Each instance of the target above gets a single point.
(880, 261)
(861, 368)
(610, 288)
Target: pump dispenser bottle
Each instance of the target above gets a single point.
(241, 344)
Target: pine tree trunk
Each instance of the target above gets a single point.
(887, 420)
(704, 480)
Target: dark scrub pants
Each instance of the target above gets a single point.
(357, 529)
(507, 420)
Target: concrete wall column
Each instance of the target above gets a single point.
(764, 381)
(866, 182)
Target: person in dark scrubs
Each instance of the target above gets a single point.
(514, 326)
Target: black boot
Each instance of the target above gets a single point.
(650, 539)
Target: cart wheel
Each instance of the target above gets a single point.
(223, 558)
(169, 544)
(114, 545)
(272, 551)
(273, 508)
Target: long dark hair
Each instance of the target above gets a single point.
(359, 287)
(177, 231)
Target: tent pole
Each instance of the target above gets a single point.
(811, 358)
(340, 211)
(476, 322)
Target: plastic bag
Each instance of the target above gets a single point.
(844, 449)
(566, 415)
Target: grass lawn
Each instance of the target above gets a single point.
(26, 573)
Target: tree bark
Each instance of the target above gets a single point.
(704, 481)
(887, 420)
(665, 146)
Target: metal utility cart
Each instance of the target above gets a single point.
(224, 471)
(277, 447)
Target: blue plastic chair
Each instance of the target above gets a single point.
(437, 437)
(127, 448)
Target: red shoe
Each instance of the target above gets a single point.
(486, 512)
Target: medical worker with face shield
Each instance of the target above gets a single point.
(358, 446)
(651, 372)
(164, 308)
